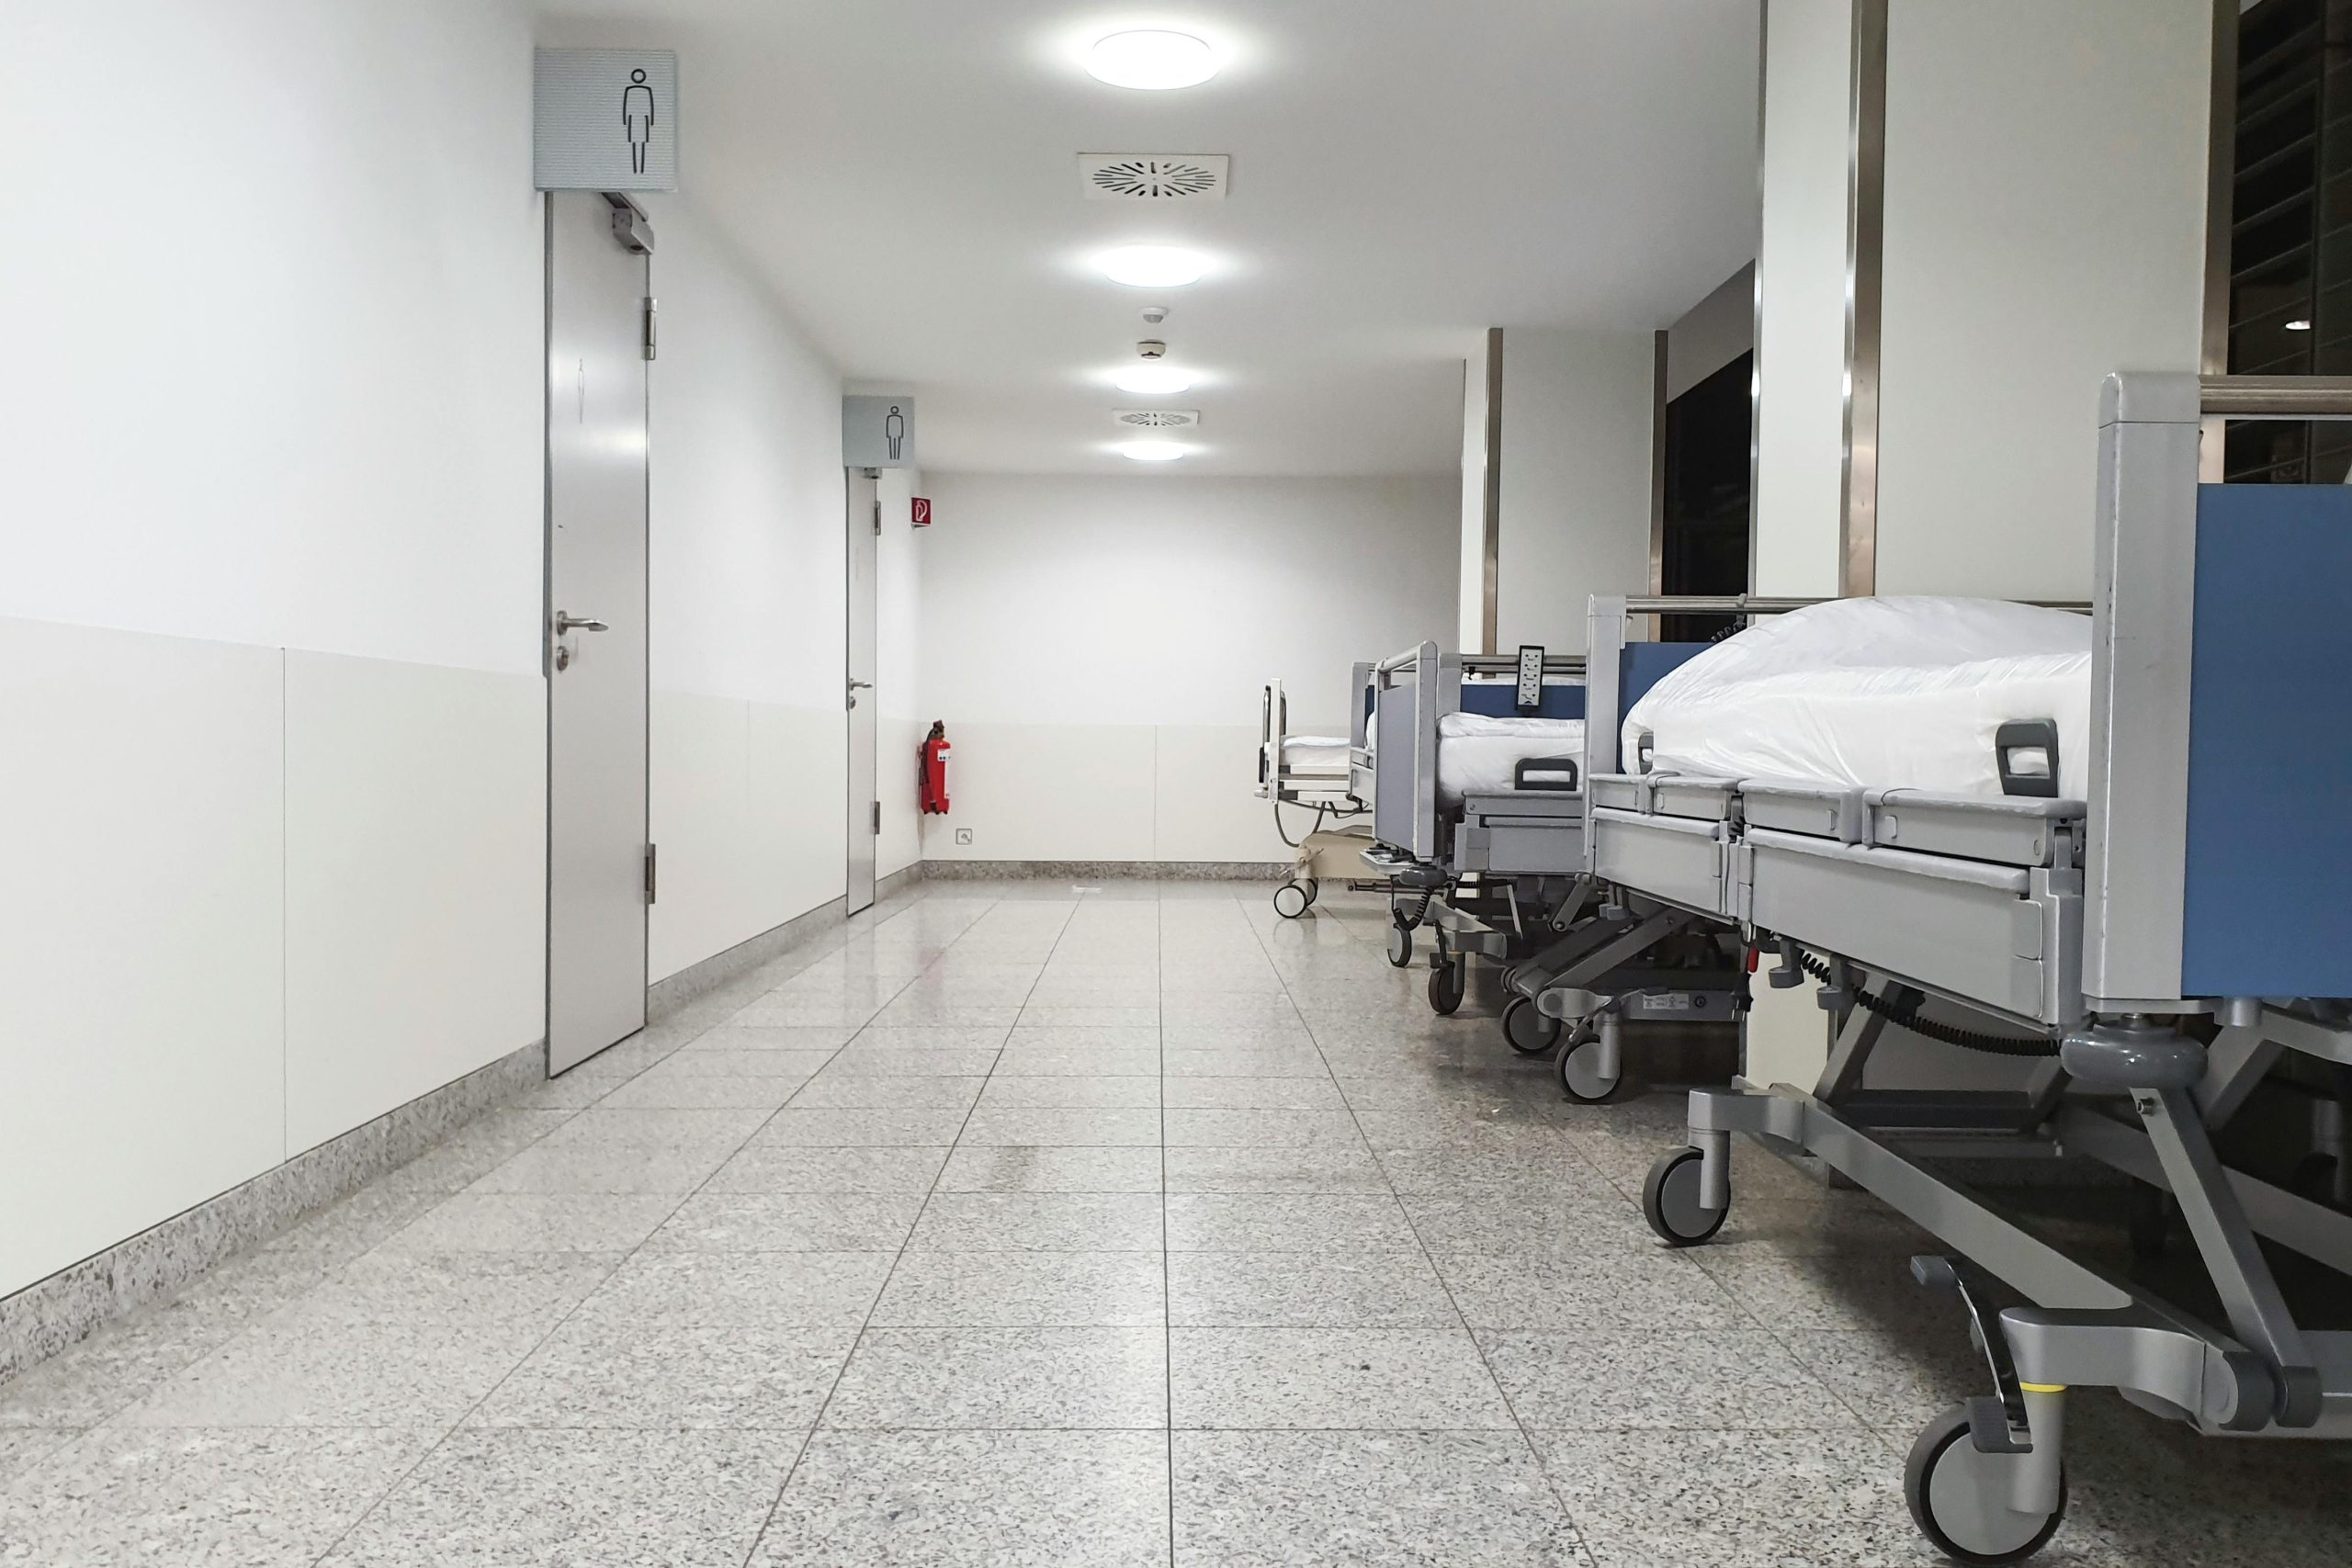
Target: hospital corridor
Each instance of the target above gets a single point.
(1226, 784)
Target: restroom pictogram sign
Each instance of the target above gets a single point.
(604, 120)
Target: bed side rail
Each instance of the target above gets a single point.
(2219, 849)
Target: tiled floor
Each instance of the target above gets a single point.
(1024, 1224)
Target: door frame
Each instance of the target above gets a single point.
(632, 231)
(853, 480)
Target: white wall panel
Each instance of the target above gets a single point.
(141, 983)
(901, 843)
(1800, 267)
(1576, 479)
(700, 804)
(415, 882)
(274, 363)
(797, 765)
(2045, 228)
(1203, 807)
(1155, 599)
(1048, 791)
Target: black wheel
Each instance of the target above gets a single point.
(1527, 1032)
(1400, 942)
(1314, 889)
(1960, 1499)
(1670, 1200)
(2153, 1211)
(1580, 1077)
(1449, 978)
(1292, 898)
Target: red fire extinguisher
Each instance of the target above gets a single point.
(933, 782)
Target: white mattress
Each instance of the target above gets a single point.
(1476, 753)
(1322, 755)
(1877, 693)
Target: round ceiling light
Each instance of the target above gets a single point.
(1154, 380)
(1152, 451)
(1152, 59)
(1154, 266)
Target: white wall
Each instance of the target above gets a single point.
(2045, 227)
(270, 594)
(1096, 646)
(748, 519)
(1575, 479)
(270, 572)
(1801, 287)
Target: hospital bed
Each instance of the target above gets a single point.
(1330, 775)
(2150, 913)
(1480, 821)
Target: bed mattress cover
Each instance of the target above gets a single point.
(1476, 753)
(1876, 694)
(1323, 755)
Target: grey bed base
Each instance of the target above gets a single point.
(2082, 926)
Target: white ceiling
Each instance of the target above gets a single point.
(1406, 173)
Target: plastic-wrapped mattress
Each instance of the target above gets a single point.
(1479, 753)
(1322, 755)
(1875, 694)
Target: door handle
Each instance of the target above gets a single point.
(565, 621)
(861, 685)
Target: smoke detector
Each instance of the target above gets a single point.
(1159, 178)
(1157, 419)
(1152, 348)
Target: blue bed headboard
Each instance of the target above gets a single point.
(2267, 875)
(1646, 664)
(1499, 699)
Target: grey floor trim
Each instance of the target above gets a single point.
(49, 1315)
(906, 876)
(1105, 870)
(666, 996)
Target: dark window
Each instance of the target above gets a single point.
(1706, 496)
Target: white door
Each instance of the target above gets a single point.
(865, 711)
(599, 862)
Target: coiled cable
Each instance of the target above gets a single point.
(1907, 1015)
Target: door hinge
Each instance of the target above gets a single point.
(653, 872)
(652, 335)
(877, 818)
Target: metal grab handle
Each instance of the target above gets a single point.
(861, 685)
(565, 621)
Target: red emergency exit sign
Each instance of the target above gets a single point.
(922, 512)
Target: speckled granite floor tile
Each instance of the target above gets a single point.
(1719, 1381)
(788, 1222)
(1305, 1289)
(959, 1378)
(1357, 1377)
(1288, 1222)
(1024, 1290)
(540, 1499)
(601, 1373)
(256, 1499)
(1367, 1500)
(974, 1500)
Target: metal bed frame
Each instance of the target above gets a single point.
(1507, 882)
(1347, 799)
(2156, 949)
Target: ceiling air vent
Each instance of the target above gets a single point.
(1153, 176)
(1157, 419)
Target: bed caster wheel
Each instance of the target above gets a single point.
(1580, 1077)
(2151, 1220)
(1670, 1200)
(1449, 980)
(1961, 1498)
(1527, 1032)
(1292, 898)
(1400, 942)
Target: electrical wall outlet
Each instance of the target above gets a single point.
(963, 836)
